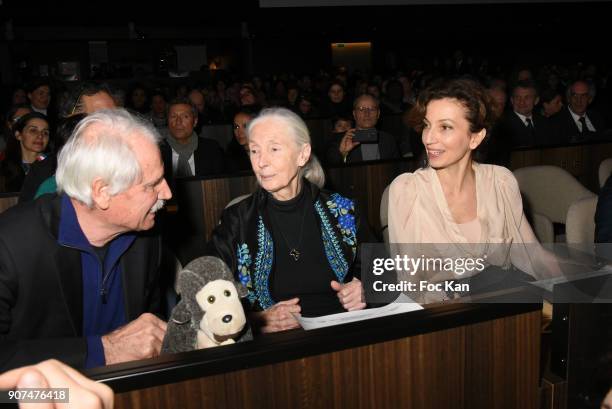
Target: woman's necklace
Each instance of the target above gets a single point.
(293, 250)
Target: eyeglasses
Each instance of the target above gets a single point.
(367, 109)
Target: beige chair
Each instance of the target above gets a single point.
(605, 169)
(237, 199)
(548, 192)
(580, 221)
(384, 214)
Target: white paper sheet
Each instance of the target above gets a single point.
(399, 306)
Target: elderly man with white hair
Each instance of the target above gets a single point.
(78, 270)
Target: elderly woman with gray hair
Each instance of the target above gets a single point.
(293, 244)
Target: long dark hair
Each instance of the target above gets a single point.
(13, 146)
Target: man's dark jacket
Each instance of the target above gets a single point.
(566, 131)
(515, 130)
(41, 286)
(209, 158)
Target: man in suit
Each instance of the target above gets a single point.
(79, 270)
(522, 126)
(366, 112)
(184, 153)
(578, 123)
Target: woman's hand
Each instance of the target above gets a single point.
(279, 317)
(347, 144)
(351, 294)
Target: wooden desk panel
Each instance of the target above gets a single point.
(491, 364)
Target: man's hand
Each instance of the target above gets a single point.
(351, 294)
(140, 339)
(347, 144)
(83, 392)
(279, 317)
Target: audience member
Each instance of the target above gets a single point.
(551, 101)
(577, 122)
(198, 101)
(341, 124)
(39, 94)
(19, 96)
(184, 152)
(158, 109)
(293, 92)
(523, 126)
(393, 100)
(296, 211)
(87, 258)
(366, 112)
(498, 100)
(27, 145)
(41, 177)
(237, 150)
(337, 102)
(455, 200)
(305, 108)
(12, 116)
(87, 98)
(138, 100)
(247, 97)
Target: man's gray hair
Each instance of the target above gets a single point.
(100, 147)
(570, 88)
(298, 131)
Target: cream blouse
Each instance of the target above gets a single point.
(418, 213)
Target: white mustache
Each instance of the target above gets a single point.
(157, 206)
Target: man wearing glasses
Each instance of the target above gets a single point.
(364, 142)
(578, 123)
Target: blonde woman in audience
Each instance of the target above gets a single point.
(475, 210)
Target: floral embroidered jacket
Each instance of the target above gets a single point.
(243, 240)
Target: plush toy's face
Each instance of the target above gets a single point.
(223, 313)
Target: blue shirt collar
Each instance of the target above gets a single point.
(70, 233)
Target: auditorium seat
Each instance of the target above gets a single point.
(548, 192)
(237, 199)
(580, 221)
(605, 168)
(384, 215)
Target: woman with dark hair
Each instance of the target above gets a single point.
(12, 116)
(139, 99)
(27, 145)
(337, 102)
(475, 208)
(237, 150)
(551, 102)
(41, 178)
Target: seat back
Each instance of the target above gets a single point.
(605, 168)
(237, 199)
(384, 214)
(549, 190)
(580, 223)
